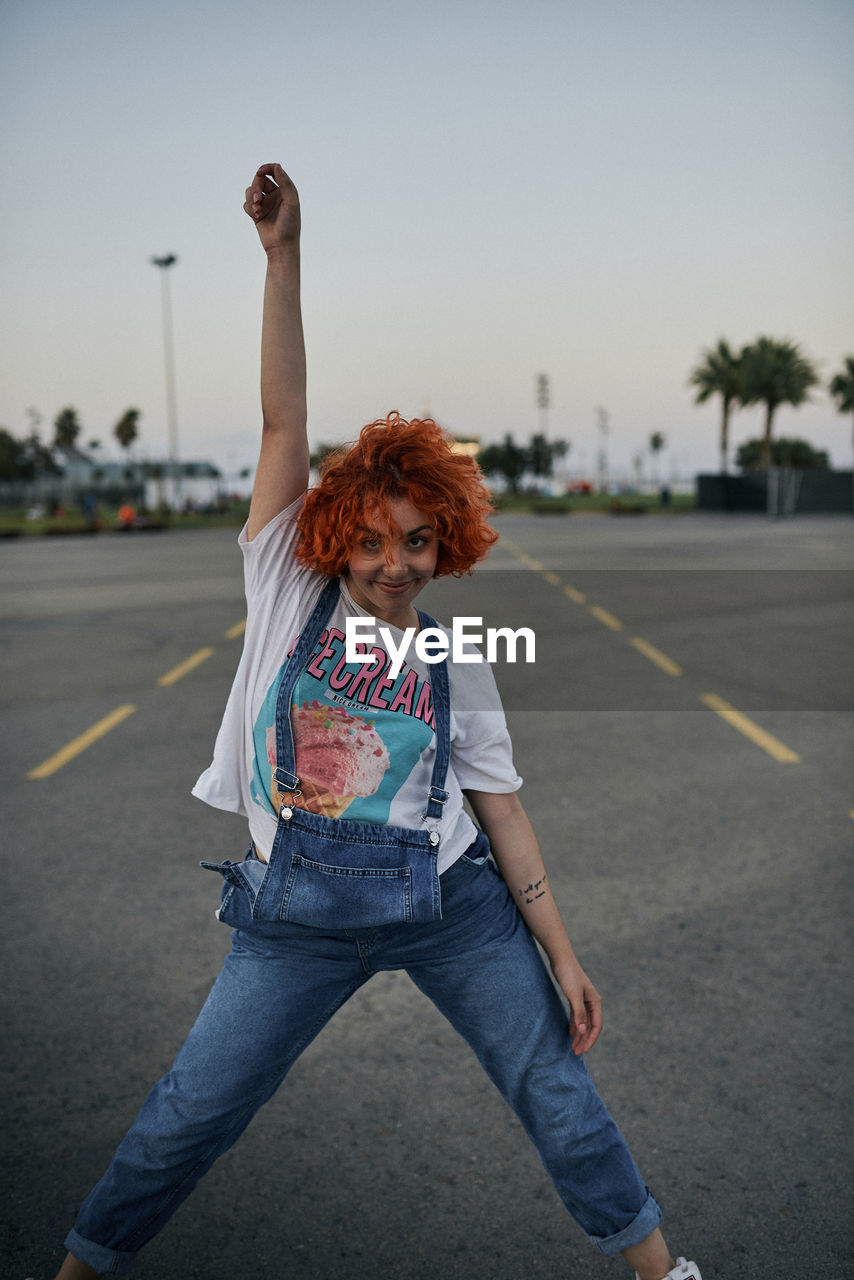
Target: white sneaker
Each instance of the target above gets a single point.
(682, 1271)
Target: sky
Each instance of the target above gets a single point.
(596, 191)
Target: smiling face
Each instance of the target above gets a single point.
(387, 570)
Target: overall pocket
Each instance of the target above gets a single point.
(477, 854)
(240, 884)
(346, 897)
(340, 874)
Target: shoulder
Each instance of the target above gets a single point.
(269, 558)
(282, 524)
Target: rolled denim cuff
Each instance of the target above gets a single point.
(109, 1262)
(638, 1229)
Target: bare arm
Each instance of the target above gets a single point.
(282, 475)
(517, 853)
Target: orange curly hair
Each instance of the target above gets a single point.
(394, 458)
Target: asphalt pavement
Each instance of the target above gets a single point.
(686, 738)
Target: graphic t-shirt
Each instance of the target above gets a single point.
(358, 734)
(364, 740)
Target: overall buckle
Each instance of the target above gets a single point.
(287, 781)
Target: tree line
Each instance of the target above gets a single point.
(25, 458)
(769, 372)
(508, 459)
(513, 461)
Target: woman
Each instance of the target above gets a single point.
(352, 770)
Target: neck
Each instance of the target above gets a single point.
(407, 617)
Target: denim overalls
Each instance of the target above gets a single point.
(375, 892)
(333, 872)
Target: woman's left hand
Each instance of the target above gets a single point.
(585, 1022)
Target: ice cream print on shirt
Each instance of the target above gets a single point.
(358, 733)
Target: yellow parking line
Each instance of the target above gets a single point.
(578, 596)
(237, 630)
(80, 743)
(536, 565)
(655, 655)
(551, 577)
(607, 618)
(750, 730)
(183, 667)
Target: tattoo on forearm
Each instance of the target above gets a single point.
(533, 891)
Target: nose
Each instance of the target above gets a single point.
(394, 557)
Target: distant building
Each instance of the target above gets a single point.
(468, 445)
(80, 475)
(180, 483)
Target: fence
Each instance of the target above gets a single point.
(779, 491)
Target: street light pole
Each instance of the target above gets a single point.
(169, 260)
(543, 403)
(604, 424)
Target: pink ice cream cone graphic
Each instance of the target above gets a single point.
(338, 757)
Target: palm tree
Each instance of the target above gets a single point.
(656, 444)
(66, 429)
(126, 430)
(719, 375)
(842, 388)
(542, 453)
(775, 373)
(508, 459)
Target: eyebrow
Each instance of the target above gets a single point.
(411, 534)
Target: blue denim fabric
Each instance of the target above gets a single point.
(337, 874)
(333, 872)
(279, 986)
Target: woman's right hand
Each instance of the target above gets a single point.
(272, 203)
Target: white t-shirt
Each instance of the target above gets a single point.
(364, 742)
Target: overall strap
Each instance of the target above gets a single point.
(285, 771)
(437, 796)
(284, 774)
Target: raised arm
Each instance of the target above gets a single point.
(282, 475)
